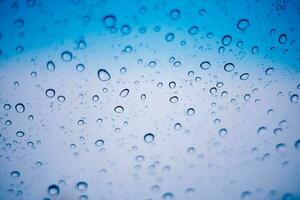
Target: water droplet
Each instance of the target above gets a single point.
(173, 99)
(99, 143)
(190, 111)
(152, 64)
(169, 37)
(7, 106)
(20, 133)
(288, 196)
(282, 38)
(168, 196)
(125, 29)
(109, 21)
(15, 174)
(269, 71)
(149, 137)
(50, 93)
(103, 75)
(61, 98)
(51, 66)
(119, 109)
(194, 30)
(95, 98)
(123, 70)
(172, 84)
(228, 67)
(53, 190)
(124, 93)
(175, 14)
(244, 76)
(222, 132)
(247, 195)
(226, 40)
(205, 65)
(20, 108)
(82, 186)
(243, 24)
(80, 67)
(177, 126)
(66, 56)
(294, 98)
(297, 144)
(261, 130)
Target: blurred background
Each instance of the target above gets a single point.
(149, 100)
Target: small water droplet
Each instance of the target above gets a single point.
(169, 37)
(66, 56)
(173, 99)
(20, 108)
(205, 65)
(50, 66)
(294, 98)
(82, 186)
(149, 137)
(226, 40)
(53, 190)
(103, 75)
(109, 21)
(119, 109)
(243, 24)
(124, 93)
(50, 93)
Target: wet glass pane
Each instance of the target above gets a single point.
(149, 100)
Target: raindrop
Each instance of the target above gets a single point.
(15, 174)
(228, 67)
(152, 64)
(190, 111)
(294, 98)
(222, 132)
(50, 93)
(80, 67)
(7, 106)
(269, 71)
(124, 93)
(173, 99)
(194, 30)
(177, 126)
(61, 98)
(50, 66)
(20, 108)
(125, 29)
(109, 21)
(175, 14)
(53, 190)
(297, 144)
(20, 133)
(82, 186)
(244, 76)
(66, 56)
(172, 84)
(119, 109)
(168, 196)
(99, 143)
(243, 24)
(226, 40)
(282, 38)
(205, 65)
(169, 37)
(149, 137)
(123, 70)
(103, 75)
(247, 195)
(261, 130)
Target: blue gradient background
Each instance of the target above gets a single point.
(194, 162)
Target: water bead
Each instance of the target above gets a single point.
(205, 65)
(82, 186)
(53, 190)
(149, 137)
(243, 24)
(109, 21)
(226, 40)
(66, 56)
(175, 14)
(124, 93)
(103, 75)
(50, 66)
(169, 37)
(99, 143)
(119, 109)
(50, 93)
(20, 108)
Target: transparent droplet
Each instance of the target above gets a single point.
(53, 190)
(282, 38)
(205, 65)
(297, 144)
(109, 21)
(228, 67)
(294, 98)
(247, 195)
(152, 64)
(194, 30)
(169, 37)
(20, 133)
(82, 186)
(20, 108)
(61, 98)
(119, 109)
(66, 56)
(80, 67)
(95, 98)
(103, 75)
(99, 143)
(149, 137)
(15, 174)
(7, 106)
(269, 71)
(222, 132)
(175, 14)
(226, 40)
(243, 24)
(244, 76)
(50, 93)
(177, 126)
(190, 111)
(124, 93)
(173, 99)
(172, 84)
(261, 130)
(168, 196)
(50, 66)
